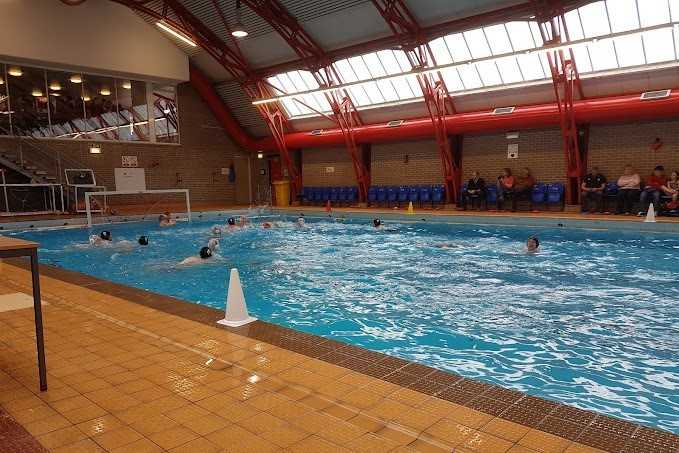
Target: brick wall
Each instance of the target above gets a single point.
(389, 166)
(611, 147)
(316, 161)
(539, 150)
(195, 164)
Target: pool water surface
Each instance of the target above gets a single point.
(592, 320)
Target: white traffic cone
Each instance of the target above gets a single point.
(236, 310)
(650, 215)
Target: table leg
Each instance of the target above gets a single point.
(37, 306)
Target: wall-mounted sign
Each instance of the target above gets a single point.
(226, 171)
(130, 161)
(513, 151)
(330, 169)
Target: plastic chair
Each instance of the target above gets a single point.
(372, 194)
(343, 194)
(425, 194)
(352, 194)
(381, 194)
(438, 194)
(326, 194)
(491, 194)
(403, 192)
(334, 194)
(538, 194)
(392, 194)
(318, 194)
(308, 194)
(414, 194)
(555, 193)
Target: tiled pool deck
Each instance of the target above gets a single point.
(132, 371)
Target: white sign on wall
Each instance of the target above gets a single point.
(130, 161)
(130, 178)
(330, 169)
(513, 151)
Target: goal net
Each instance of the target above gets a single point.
(141, 204)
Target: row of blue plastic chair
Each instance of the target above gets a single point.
(404, 194)
(332, 194)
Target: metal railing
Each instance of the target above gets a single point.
(30, 195)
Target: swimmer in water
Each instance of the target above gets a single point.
(267, 225)
(532, 244)
(165, 220)
(104, 238)
(341, 219)
(203, 256)
(213, 244)
(300, 221)
(377, 223)
(143, 241)
(216, 230)
(231, 222)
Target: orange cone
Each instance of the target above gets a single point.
(327, 207)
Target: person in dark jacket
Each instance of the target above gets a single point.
(592, 188)
(476, 190)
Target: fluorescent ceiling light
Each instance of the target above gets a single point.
(176, 33)
(76, 78)
(55, 86)
(15, 71)
(127, 84)
(36, 93)
(105, 91)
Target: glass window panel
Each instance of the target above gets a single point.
(4, 103)
(489, 73)
(66, 102)
(535, 31)
(674, 9)
(478, 46)
(360, 69)
(630, 51)
(653, 12)
(388, 90)
(164, 99)
(276, 83)
(132, 121)
(623, 15)
(594, 20)
(659, 45)
(520, 35)
(458, 47)
(452, 79)
(28, 101)
(308, 79)
(582, 59)
(603, 55)
(345, 71)
(403, 61)
(310, 100)
(373, 93)
(402, 87)
(545, 64)
(297, 81)
(414, 85)
(322, 101)
(531, 68)
(374, 65)
(440, 51)
(288, 86)
(509, 70)
(359, 96)
(291, 107)
(469, 76)
(389, 62)
(497, 38)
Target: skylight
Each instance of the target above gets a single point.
(472, 63)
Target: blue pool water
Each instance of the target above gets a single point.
(592, 320)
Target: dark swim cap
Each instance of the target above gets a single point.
(377, 222)
(143, 240)
(537, 241)
(231, 221)
(205, 252)
(105, 235)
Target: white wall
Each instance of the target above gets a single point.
(97, 36)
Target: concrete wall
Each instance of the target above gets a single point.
(195, 164)
(98, 36)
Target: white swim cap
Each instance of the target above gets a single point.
(213, 244)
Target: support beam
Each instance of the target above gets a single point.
(315, 60)
(434, 91)
(174, 14)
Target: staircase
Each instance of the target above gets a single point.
(19, 164)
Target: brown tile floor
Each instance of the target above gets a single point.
(126, 377)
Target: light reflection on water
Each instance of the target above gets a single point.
(591, 320)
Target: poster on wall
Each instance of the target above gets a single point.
(130, 161)
(130, 178)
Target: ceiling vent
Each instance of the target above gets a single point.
(395, 123)
(659, 94)
(316, 132)
(503, 110)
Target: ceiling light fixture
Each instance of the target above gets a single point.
(86, 98)
(238, 30)
(36, 93)
(15, 71)
(55, 86)
(260, 155)
(127, 84)
(76, 78)
(105, 91)
(176, 33)
(2, 81)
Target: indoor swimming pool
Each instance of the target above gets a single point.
(592, 320)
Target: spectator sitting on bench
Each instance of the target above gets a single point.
(628, 190)
(505, 187)
(523, 186)
(671, 189)
(593, 190)
(476, 189)
(654, 187)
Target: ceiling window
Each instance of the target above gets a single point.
(500, 55)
